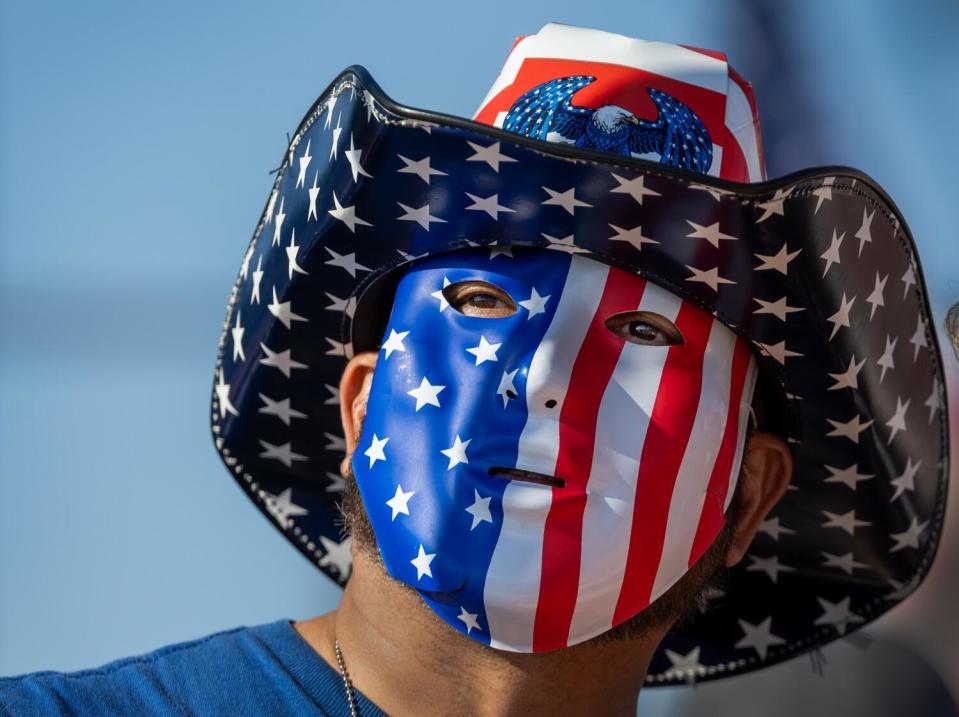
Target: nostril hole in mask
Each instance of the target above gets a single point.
(551, 403)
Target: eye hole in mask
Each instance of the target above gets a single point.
(645, 328)
(479, 299)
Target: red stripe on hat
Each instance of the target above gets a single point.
(734, 166)
(563, 531)
(721, 56)
(711, 518)
(670, 425)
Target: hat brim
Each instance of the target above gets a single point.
(817, 270)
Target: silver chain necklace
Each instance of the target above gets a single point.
(346, 678)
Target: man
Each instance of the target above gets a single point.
(575, 361)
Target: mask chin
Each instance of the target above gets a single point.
(542, 514)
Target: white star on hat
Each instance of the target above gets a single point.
(337, 555)
(223, 397)
(635, 187)
(778, 261)
(421, 168)
(849, 477)
(846, 521)
(489, 204)
(906, 480)
(280, 409)
(759, 637)
(304, 163)
(837, 614)
(291, 251)
(347, 215)
(841, 317)
(710, 233)
(831, 255)
(282, 453)
(567, 200)
(421, 216)
(634, 236)
(849, 429)
(491, 155)
(909, 538)
(353, 156)
(709, 277)
(864, 233)
(849, 377)
(280, 359)
(237, 334)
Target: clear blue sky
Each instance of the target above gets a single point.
(135, 144)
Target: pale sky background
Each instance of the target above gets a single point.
(135, 145)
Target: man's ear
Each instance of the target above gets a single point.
(354, 392)
(767, 469)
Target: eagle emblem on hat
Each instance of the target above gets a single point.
(677, 134)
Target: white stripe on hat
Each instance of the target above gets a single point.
(739, 124)
(515, 568)
(577, 43)
(689, 491)
(611, 490)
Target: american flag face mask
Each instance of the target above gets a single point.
(544, 475)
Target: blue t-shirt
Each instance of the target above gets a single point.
(264, 670)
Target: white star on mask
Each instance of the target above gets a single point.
(280, 409)
(291, 251)
(909, 538)
(399, 503)
(479, 510)
(426, 394)
(394, 342)
(282, 453)
(353, 156)
(506, 387)
(440, 296)
(457, 452)
(535, 304)
(567, 200)
(422, 563)
(485, 351)
(905, 481)
(836, 614)
(469, 619)
(375, 451)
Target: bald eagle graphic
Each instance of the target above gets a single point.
(677, 135)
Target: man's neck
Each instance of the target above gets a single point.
(405, 659)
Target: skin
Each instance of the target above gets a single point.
(407, 661)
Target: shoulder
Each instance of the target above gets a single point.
(208, 676)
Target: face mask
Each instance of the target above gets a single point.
(542, 476)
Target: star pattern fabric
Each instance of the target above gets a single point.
(818, 272)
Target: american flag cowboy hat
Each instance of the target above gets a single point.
(645, 157)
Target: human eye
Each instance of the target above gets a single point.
(645, 328)
(480, 299)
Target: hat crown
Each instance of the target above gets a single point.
(678, 105)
